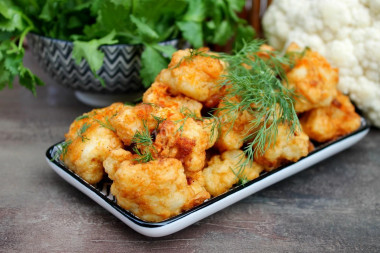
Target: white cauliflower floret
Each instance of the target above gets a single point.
(346, 32)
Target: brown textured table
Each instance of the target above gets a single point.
(333, 206)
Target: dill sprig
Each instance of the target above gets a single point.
(144, 156)
(260, 86)
(144, 141)
(85, 116)
(187, 113)
(82, 130)
(193, 54)
(106, 124)
(62, 150)
(159, 120)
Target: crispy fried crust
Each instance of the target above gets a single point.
(196, 78)
(313, 79)
(330, 122)
(232, 132)
(222, 172)
(86, 153)
(159, 95)
(185, 140)
(287, 148)
(156, 190)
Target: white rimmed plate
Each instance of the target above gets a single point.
(101, 192)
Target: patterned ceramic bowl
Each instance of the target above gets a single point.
(120, 69)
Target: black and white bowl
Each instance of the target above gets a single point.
(120, 69)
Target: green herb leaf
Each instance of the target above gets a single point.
(106, 124)
(152, 62)
(62, 150)
(82, 130)
(89, 51)
(192, 31)
(85, 116)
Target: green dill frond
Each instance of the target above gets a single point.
(85, 116)
(159, 121)
(62, 150)
(258, 85)
(215, 124)
(193, 54)
(144, 140)
(187, 113)
(143, 157)
(107, 123)
(151, 104)
(242, 179)
(82, 130)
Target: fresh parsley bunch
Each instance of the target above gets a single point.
(90, 24)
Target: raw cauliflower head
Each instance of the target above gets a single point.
(346, 32)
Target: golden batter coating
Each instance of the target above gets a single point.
(313, 79)
(158, 94)
(131, 119)
(195, 76)
(330, 122)
(91, 143)
(232, 133)
(156, 190)
(222, 172)
(287, 148)
(112, 163)
(184, 139)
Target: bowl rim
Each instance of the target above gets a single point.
(108, 45)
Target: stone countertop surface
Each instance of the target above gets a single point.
(332, 206)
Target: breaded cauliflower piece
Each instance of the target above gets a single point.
(154, 191)
(313, 79)
(158, 94)
(91, 143)
(112, 163)
(287, 148)
(131, 119)
(219, 174)
(231, 138)
(328, 123)
(195, 76)
(184, 139)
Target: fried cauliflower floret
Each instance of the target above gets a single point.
(313, 79)
(154, 191)
(287, 148)
(232, 132)
(328, 123)
(195, 76)
(131, 119)
(158, 94)
(219, 175)
(197, 183)
(112, 163)
(184, 139)
(91, 143)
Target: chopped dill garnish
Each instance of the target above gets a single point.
(159, 121)
(260, 85)
(151, 104)
(193, 54)
(85, 116)
(82, 130)
(62, 150)
(144, 156)
(188, 114)
(143, 140)
(242, 179)
(107, 123)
